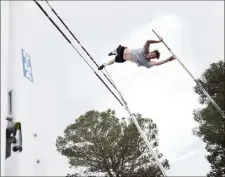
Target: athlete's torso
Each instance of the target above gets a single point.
(138, 56)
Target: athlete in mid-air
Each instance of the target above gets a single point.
(141, 56)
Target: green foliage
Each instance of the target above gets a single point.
(101, 142)
(72, 175)
(211, 127)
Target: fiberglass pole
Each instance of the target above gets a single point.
(204, 91)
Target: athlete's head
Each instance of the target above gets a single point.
(154, 54)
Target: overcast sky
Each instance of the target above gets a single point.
(66, 88)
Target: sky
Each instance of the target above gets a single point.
(66, 88)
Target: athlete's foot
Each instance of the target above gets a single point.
(110, 54)
(101, 67)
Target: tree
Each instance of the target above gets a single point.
(211, 127)
(102, 143)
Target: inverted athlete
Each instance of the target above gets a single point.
(141, 56)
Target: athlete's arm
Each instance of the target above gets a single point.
(148, 42)
(157, 63)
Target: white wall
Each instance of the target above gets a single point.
(16, 37)
(18, 32)
(39, 105)
(4, 57)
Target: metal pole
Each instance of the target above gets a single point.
(141, 132)
(204, 91)
(147, 143)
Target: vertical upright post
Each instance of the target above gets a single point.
(140, 131)
(202, 88)
(147, 143)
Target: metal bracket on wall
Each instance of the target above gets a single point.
(13, 136)
(13, 132)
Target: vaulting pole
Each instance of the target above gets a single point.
(203, 90)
